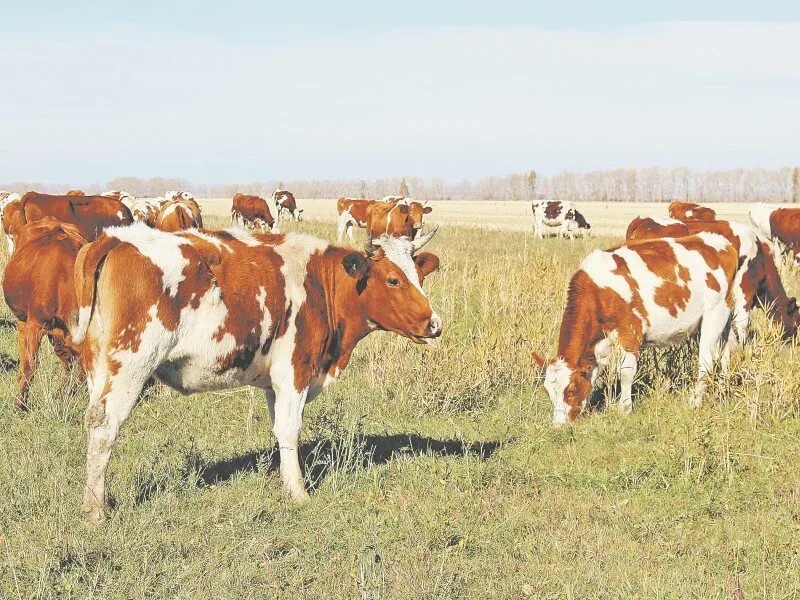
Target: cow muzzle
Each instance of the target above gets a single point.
(433, 331)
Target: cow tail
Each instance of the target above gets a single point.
(87, 270)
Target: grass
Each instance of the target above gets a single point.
(435, 471)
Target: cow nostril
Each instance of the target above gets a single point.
(435, 326)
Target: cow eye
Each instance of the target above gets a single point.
(392, 281)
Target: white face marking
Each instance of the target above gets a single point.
(120, 216)
(556, 380)
(398, 250)
(163, 250)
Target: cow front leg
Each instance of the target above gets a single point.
(30, 338)
(286, 409)
(627, 373)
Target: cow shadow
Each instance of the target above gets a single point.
(6, 323)
(8, 363)
(323, 457)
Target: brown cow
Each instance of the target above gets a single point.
(76, 193)
(38, 284)
(353, 213)
(178, 215)
(90, 214)
(285, 204)
(12, 218)
(395, 219)
(220, 309)
(689, 211)
(252, 211)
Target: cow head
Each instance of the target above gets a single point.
(568, 388)
(416, 212)
(581, 221)
(390, 280)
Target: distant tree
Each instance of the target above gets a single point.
(796, 184)
(404, 188)
(362, 189)
(532, 177)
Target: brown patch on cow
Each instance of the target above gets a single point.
(689, 211)
(552, 209)
(90, 214)
(712, 282)
(673, 294)
(785, 226)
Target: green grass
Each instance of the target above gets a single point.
(436, 472)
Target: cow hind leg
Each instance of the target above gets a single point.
(30, 338)
(715, 322)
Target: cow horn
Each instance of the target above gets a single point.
(424, 239)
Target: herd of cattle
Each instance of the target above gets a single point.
(137, 290)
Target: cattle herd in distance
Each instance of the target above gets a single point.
(216, 309)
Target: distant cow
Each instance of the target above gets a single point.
(560, 215)
(145, 210)
(76, 193)
(219, 309)
(757, 282)
(285, 204)
(780, 225)
(39, 289)
(649, 293)
(398, 218)
(689, 211)
(252, 211)
(178, 195)
(178, 215)
(90, 214)
(353, 213)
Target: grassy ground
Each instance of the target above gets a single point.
(436, 473)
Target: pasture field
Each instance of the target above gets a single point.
(435, 471)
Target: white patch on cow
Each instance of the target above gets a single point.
(689, 212)
(163, 250)
(599, 265)
(243, 236)
(210, 239)
(716, 241)
(759, 215)
(398, 250)
(556, 380)
(665, 221)
(120, 216)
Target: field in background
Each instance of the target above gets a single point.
(436, 473)
(610, 218)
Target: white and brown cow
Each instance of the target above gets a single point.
(780, 225)
(216, 310)
(286, 205)
(558, 215)
(649, 293)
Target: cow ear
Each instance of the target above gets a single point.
(356, 265)
(426, 263)
(540, 360)
(427, 210)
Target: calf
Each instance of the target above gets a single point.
(90, 214)
(561, 215)
(252, 211)
(757, 282)
(217, 310)
(178, 215)
(689, 211)
(285, 204)
(39, 289)
(653, 293)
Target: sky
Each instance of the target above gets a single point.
(235, 91)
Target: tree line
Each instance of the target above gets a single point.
(617, 185)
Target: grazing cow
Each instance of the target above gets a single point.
(11, 214)
(689, 211)
(178, 215)
(76, 193)
(554, 213)
(39, 289)
(252, 211)
(145, 210)
(399, 218)
(757, 282)
(285, 204)
(216, 310)
(652, 293)
(90, 214)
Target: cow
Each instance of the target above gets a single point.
(116, 194)
(646, 228)
(11, 215)
(757, 281)
(644, 293)
(558, 214)
(252, 211)
(177, 215)
(145, 210)
(399, 218)
(39, 289)
(217, 310)
(353, 213)
(178, 195)
(76, 193)
(285, 204)
(90, 214)
(780, 225)
(689, 211)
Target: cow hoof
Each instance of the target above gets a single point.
(696, 401)
(299, 496)
(93, 513)
(625, 408)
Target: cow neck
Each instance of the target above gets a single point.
(580, 327)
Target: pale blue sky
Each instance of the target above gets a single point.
(237, 91)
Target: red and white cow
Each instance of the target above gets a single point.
(178, 215)
(780, 225)
(285, 204)
(651, 293)
(757, 281)
(560, 215)
(689, 211)
(249, 210)
(396, 218)
(352, 213)
(216, 310)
